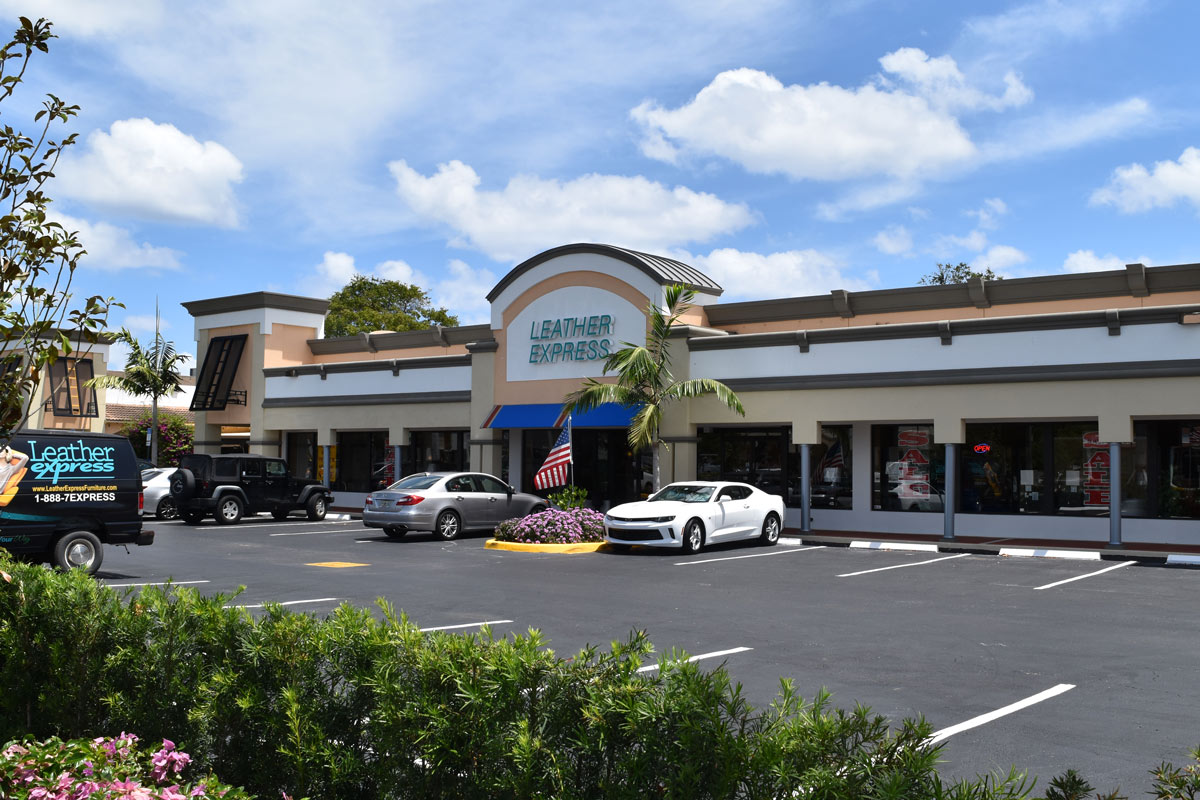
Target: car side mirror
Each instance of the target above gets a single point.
(511, 491)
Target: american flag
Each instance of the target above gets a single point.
(833, 457)
(554, 470)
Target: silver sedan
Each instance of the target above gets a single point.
(447, 503)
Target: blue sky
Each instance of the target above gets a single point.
(784, 148)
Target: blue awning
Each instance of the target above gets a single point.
(549, 415)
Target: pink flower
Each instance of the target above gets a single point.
(172, 793)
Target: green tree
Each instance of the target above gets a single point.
(151, 371)
(40, 321)
(175, 437)
(956, 273)
(368, 304)
(645, 382)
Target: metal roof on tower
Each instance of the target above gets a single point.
(664, 270)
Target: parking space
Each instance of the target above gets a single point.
(1044, 663)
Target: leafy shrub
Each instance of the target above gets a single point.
(569, 497)
(102, 767)
(554, 527)
(175, 436)
(364, 706)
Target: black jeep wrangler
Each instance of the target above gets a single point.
(229, 486)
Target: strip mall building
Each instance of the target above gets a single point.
(1031, 407)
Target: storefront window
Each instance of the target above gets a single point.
(832, 478)
(1163, 467)
(1002, 469)
(757, 457)
(435, 451)
(909, 469)
(361, 461)
(302, 454)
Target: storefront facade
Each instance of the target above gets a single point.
(916, 410)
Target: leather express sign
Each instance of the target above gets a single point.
(74, 460)
(571, 339)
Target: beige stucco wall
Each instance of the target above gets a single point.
(287, 345)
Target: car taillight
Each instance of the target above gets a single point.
(369, 501)
(408, 499)
(141, 502)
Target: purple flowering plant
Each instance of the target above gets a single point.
(104, 767)
(554, 527)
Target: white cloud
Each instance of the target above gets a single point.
(794, 273)
(893, 240)
(1134, 188)
(531, 213)
(1000, 257)
(1088, 261)
(1026, 28)
(86, 17)
(155, 171)
(868, 198)
(334, 272)
(112, 249)
(463, 292)
(819, 131)
(1056, 130)
(975, 241)
(988, 214)
(942, 83)
(144, 323)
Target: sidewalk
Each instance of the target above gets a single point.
(1045, 548)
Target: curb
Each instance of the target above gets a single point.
(522, 547)
(1143, 556)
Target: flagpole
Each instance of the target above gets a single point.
(571, 443)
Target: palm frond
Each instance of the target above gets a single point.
(595, 394)
(643, 428)
(697, 387)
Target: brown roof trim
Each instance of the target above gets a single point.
(1111, 319)
(663, 270)
(253, 300)
(1044, 288)
(393, 365)
(398, 340)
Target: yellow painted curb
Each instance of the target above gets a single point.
(522, 547)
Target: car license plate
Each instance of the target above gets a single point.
(383, 503)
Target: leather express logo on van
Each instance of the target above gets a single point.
(75, 460)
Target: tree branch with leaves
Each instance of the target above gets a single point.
(39, 318)
(645, 382)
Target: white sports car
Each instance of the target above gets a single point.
(691, 514)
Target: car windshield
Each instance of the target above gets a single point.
(415, 482)
(684, 493)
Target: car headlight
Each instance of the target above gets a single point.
(662, 519)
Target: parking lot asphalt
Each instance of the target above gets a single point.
(1042, 663)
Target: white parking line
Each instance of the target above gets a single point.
(753, 555)
(308, 533)
(288, 603)
(652, 667)
(902, 566)
(154, 583)
(467, 625)
(983, 719)
(1081, 577)
(913, 546)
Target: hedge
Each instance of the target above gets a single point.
(359, 705)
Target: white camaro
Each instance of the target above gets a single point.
(691, 514)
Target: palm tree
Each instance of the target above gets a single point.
(644, 379)
(149, 372)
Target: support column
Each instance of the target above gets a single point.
(325, 464)
(806, 488)
(1114, 495)
(951, 493)
(516, 448)
(396, 466)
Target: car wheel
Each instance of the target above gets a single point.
(193, 517)
(229, 510)
(449, 526)
(395, 533)
(280, 513)
(536, 510)
(770, 530)
(315, 507)
(693, 537)
(166, 509)
(78, 550)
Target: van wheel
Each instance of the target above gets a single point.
(193, 517)
(78, 550)
(315, 507)
(229, 510)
